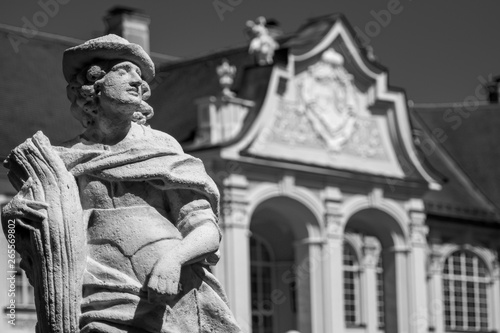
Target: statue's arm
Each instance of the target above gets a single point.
(164, 279)
(201, 237)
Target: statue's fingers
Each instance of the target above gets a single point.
(31, 209)
(20, 209)
(171, 287)
(32, 214)
(153, 282)
(22, 223)
(163, 285)
(37, 204)
(154, 294)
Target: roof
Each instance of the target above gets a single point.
(33, 90)
(179, 84)
(458, 143)
(312, 32)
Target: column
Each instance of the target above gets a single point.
(419, 322)
(309, 262)
(371, 252)
(436, 305)
(401, 293)
(234, 270)
(333, 289)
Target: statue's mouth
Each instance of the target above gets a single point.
(133, 91)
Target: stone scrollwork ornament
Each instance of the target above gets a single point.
(116, 228)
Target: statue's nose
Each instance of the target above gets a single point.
(136, 79)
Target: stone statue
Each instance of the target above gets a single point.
(262, 44)
(117, 227)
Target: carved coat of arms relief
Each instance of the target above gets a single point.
(326, 97)
(326, 113)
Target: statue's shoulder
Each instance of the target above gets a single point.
(78, 143)
(161, 138)
(72, 143)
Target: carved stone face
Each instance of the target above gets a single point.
(121, 89)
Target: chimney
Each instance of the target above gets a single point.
(129, 23)
(493, 90)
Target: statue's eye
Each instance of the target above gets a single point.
(121, 71)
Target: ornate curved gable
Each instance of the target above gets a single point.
(326, 114)
(332, 107)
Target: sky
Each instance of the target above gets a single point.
(438, 51)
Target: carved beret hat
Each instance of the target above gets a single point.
(107, 47)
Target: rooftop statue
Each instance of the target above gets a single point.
(116, 227)
(262, 45)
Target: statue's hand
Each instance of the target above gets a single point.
(26, 209)
(164, 280)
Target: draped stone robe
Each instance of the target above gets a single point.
(140, 197)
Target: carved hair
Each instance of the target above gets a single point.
(83, 92)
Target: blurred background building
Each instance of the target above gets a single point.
(345, 207)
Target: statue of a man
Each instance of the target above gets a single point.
(150, 210)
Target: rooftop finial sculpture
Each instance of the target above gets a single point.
(226, 74)
(262, 44)
(117, 226)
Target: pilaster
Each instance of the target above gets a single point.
(234, 269)
(435, 280)
(419, 322)
(309, 265)
(220, 118)
(371, 251)
(333, 313)
(495, 295)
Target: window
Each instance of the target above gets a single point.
(24, 292)
(351, 286)
(262, 285)
(465, 284)
(380, 293)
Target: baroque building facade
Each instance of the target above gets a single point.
(343, 208)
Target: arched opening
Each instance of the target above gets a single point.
(280, 225)
(378, 239)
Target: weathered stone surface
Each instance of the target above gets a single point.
(118, 226)
(50, 233)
